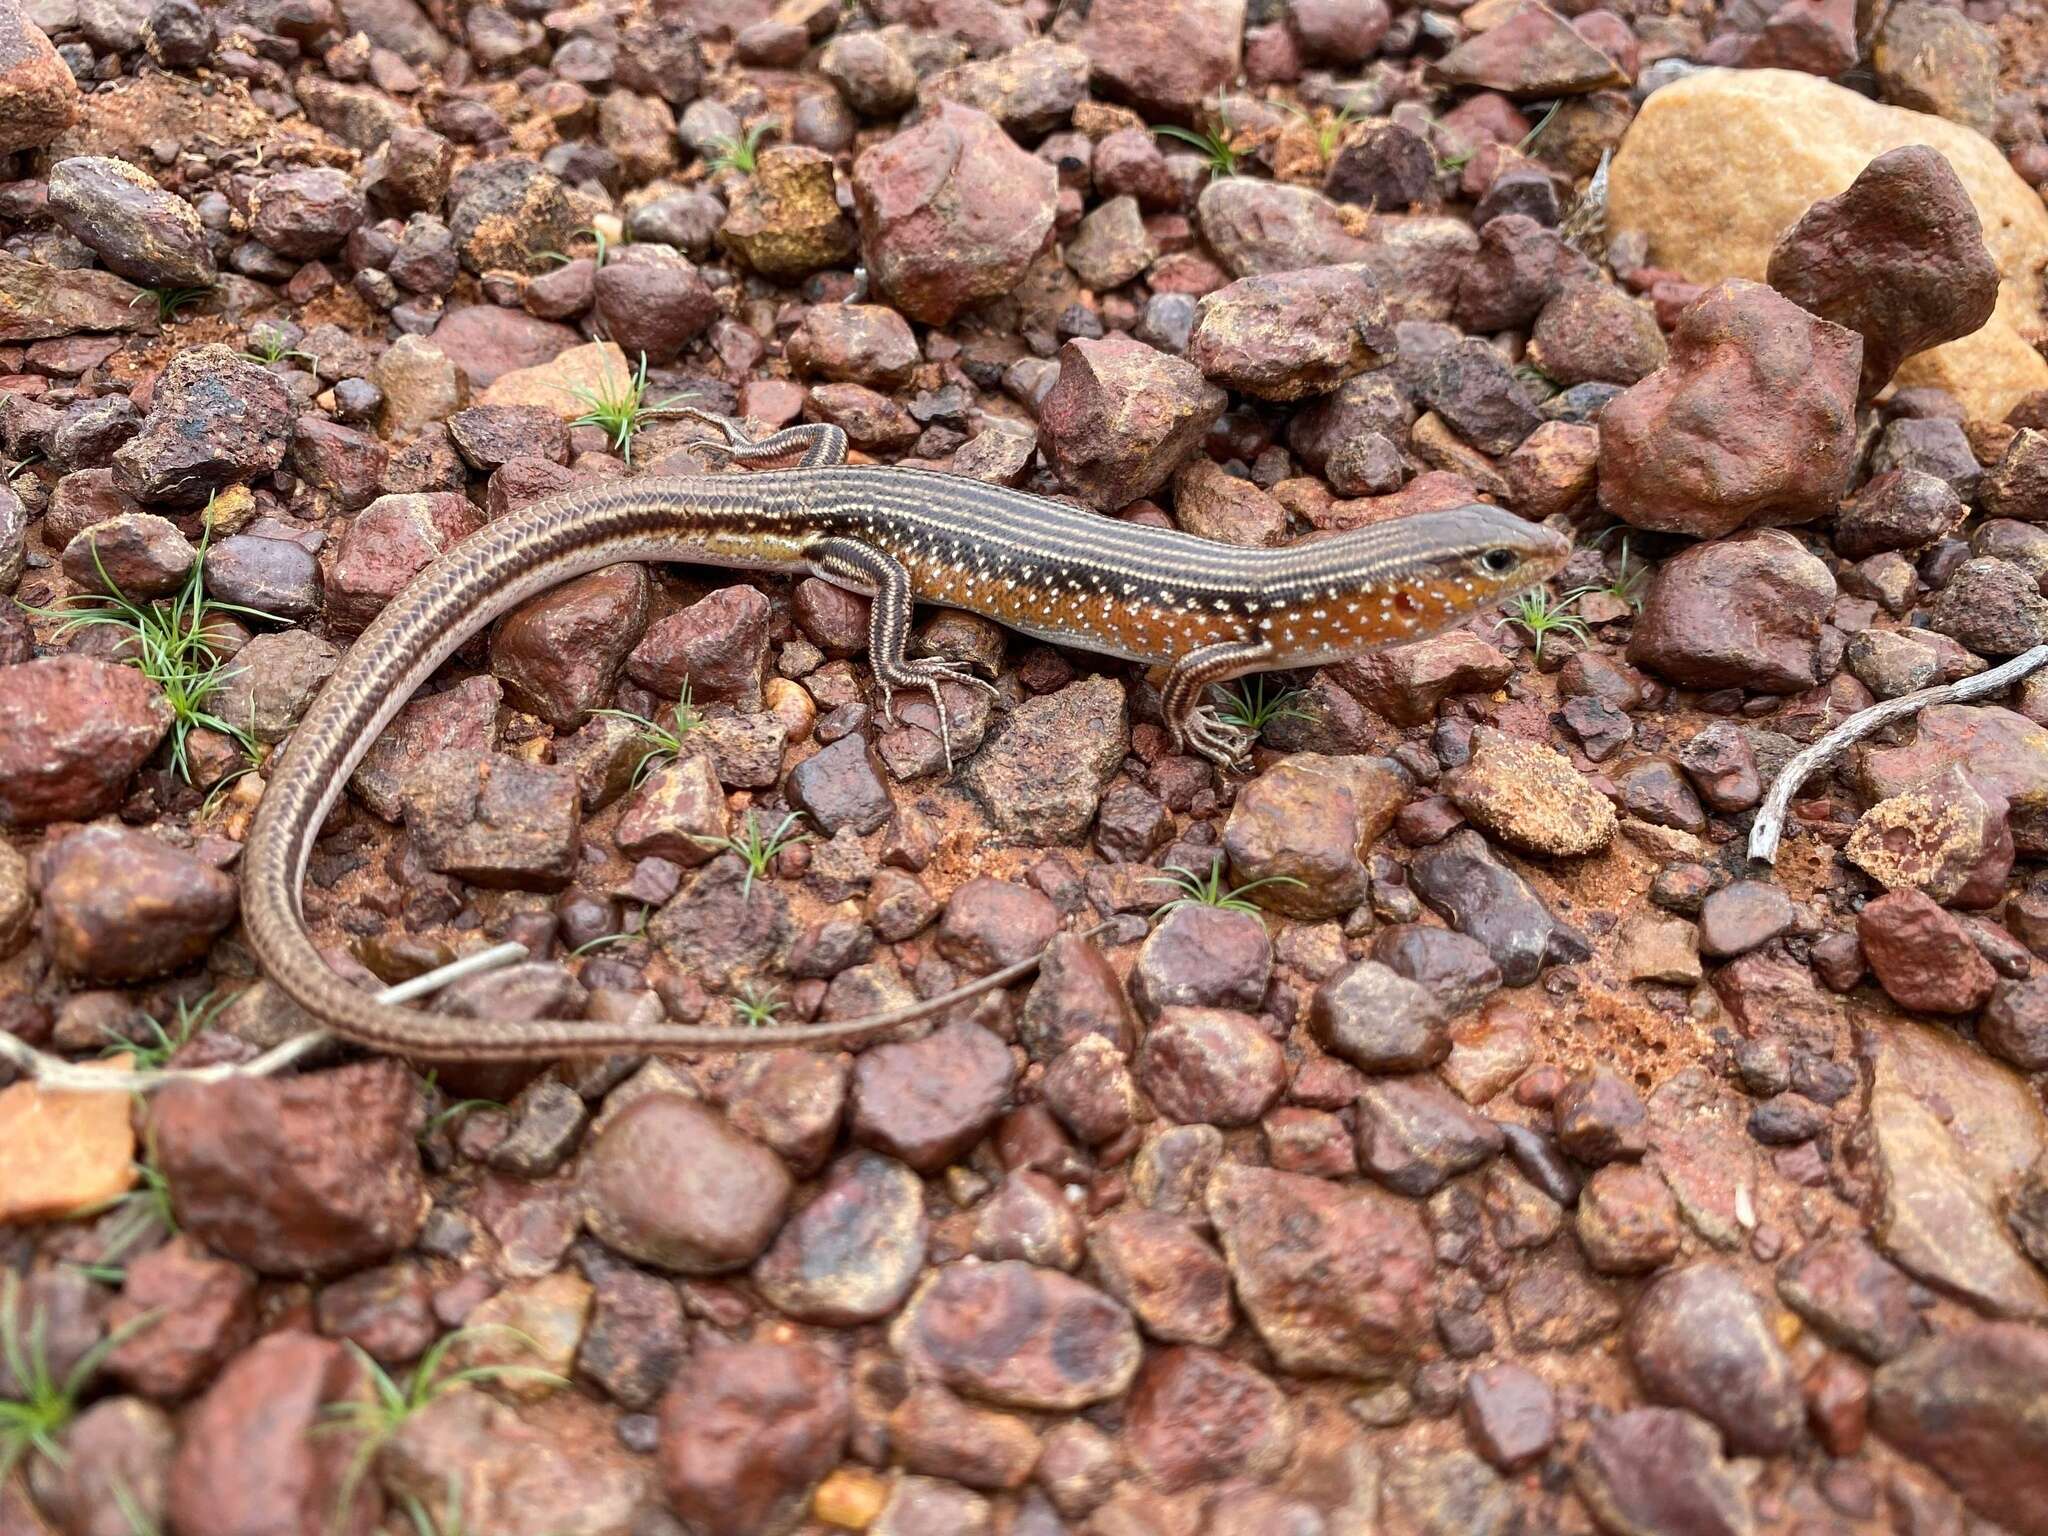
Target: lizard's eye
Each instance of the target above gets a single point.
(1498, 561)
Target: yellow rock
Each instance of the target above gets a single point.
(1719, 164)
(599, 367)
(63, 1152)
(850, 1498)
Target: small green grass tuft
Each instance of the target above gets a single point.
(1217, 146)
(757, 850)
(170, 643)
(34, 1421)
(1329, 131)
(740, 152)
(391, 1403)
(1249, 706)
(143, 1213)
(449, 1522)
(133, 1515)
(633, 930)
(161, 1041)
(757, 1006)
(664, 744)
(604, 247)
(1628, 579)
(1537, 614)
(1210, 890)
(623, 411)
(270, 345)
(170, 302)
(1528, 140)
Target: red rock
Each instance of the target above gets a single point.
(182, 1314)
(486, 342)
(1700, 1340)
(120, 905)
(253, 1460)
(313, 1174)
(1210, 1066)
(1660, 1470)
(38, 94)
(388, 543)
(671, 1183)
(1264, 226)
(1627, 1220)
(1737, 613)
(1817, 37)
(716, 648)
(1018, 1336)
(1335, 1278)
(1165, 59)
(993, 923)
(1195, 1416)
(850, 1255)
(1510, 1413)
(1288, 335)
(2005, 753)
(1922, 956)
(747, 1431)
(1122, 417)
(1967, 1402)
(1752, 420)
(1899, 257)
(929, 1101)
(73, 730)
(560, 654)
(937, 1435)
(1167, 1274)
(1946, 838)
(1407, 683)
(1532, 54)
(951, 212)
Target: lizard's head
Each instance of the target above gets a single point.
(1404, 579)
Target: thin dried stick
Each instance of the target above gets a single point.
(1770, 817)
(55, 1072)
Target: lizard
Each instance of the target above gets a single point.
(1206, 610)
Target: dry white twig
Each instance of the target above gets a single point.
(1770, 817)
(83, 1077)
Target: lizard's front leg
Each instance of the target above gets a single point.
(822, 444)
(1189, 721)
(882, 579)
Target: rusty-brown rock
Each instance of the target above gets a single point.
(951, 211)
(1923, 957)
(1287, 335)
(73, 730)
(1018, 1335)
(747, 1430)
(850, 1255)
(1899, 258)
(1968, 1403)
(1752, 421)
(1196, 1416)
(251, 1458)
(1335, 1278)
(120, 905)
(38, 93)
(669, 1182)
(1122, 417)
(1531, 53)
(316, 1174)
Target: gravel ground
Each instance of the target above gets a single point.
(1448, 1132)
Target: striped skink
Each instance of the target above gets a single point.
(1208, 611)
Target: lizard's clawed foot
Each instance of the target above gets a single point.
(1227, 746)
(927, 672)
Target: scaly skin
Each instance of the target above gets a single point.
(1208, 611)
